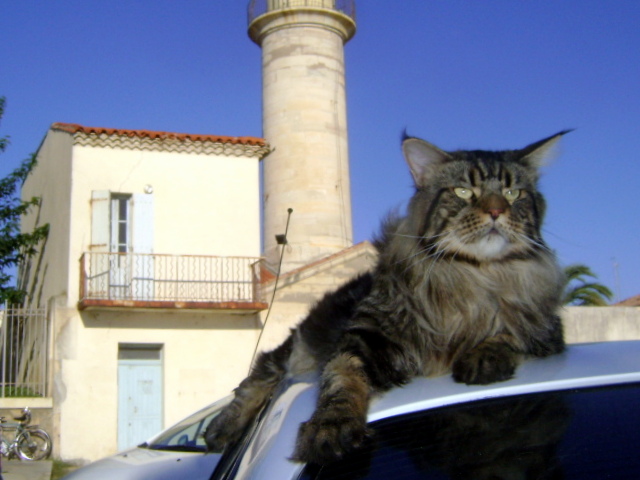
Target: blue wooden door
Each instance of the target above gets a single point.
(139, 400)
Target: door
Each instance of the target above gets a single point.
(139, 393)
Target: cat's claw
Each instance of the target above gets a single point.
(323, 441)
(482, 366)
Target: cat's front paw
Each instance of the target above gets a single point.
(485, 364)
(324, 440)
(223, 430)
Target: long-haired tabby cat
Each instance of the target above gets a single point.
(464, 283)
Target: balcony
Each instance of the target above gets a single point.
(260, 7)
(132, 280)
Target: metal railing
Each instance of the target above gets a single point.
(260, 7)
(24, 341)
(176, 278)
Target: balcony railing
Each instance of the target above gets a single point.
(260, 7)
(169, 281)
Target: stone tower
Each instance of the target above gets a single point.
(305, 122)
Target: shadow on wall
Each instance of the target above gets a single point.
(35, 279)
(168, 320)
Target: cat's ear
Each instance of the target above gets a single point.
(538, 154)
(422, 157)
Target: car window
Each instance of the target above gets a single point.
(187, 434)
(574, 434)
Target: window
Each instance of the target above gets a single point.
(121, 263)
(120, 223)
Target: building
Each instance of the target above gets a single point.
(150, 274)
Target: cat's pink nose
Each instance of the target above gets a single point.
(495, 212)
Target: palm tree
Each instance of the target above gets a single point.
(579, 292)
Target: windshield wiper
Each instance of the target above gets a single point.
(177, 448)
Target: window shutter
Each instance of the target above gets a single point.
(142, 233)
(142, 223)
(100, 221)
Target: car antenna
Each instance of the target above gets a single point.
(281, 239)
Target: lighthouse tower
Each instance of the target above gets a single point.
(305, 122)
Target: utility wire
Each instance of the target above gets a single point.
(281, 240)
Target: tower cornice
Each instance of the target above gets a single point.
(302, 16)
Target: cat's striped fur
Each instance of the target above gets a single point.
(464, 284)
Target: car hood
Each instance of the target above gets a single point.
(148, 464)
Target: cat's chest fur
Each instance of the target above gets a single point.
(457, 305)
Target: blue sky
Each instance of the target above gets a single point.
(462, 74)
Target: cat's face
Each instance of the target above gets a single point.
(477, 205)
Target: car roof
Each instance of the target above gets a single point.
(580, 366)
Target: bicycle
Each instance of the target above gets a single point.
(29, 442)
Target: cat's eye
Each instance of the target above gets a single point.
(511, 194)
(465, 193)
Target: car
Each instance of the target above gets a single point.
(177, 452)
(573, 416)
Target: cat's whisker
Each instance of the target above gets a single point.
(417, 258)
(420, 237)
(532, 242)
(431, 246)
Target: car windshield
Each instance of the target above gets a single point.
(187, 434)
(575, 434)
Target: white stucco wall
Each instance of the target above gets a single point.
(202, 354)
(204, 204)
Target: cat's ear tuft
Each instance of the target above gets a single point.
(540, 153)
(422, 157)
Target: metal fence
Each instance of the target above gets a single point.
(24, 352)
(260, 7)
(177, 278)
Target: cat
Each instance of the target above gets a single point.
(464, 284)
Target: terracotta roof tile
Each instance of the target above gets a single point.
(75, 128)
(630, 302)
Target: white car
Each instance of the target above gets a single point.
(570, 416)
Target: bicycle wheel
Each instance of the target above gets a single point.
(33, 445)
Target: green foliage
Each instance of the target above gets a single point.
(580, 292)
(13, 392)
(15, 246)
(60, 468)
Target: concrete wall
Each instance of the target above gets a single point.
(41, 412)
(597, 324)
(298, 290)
